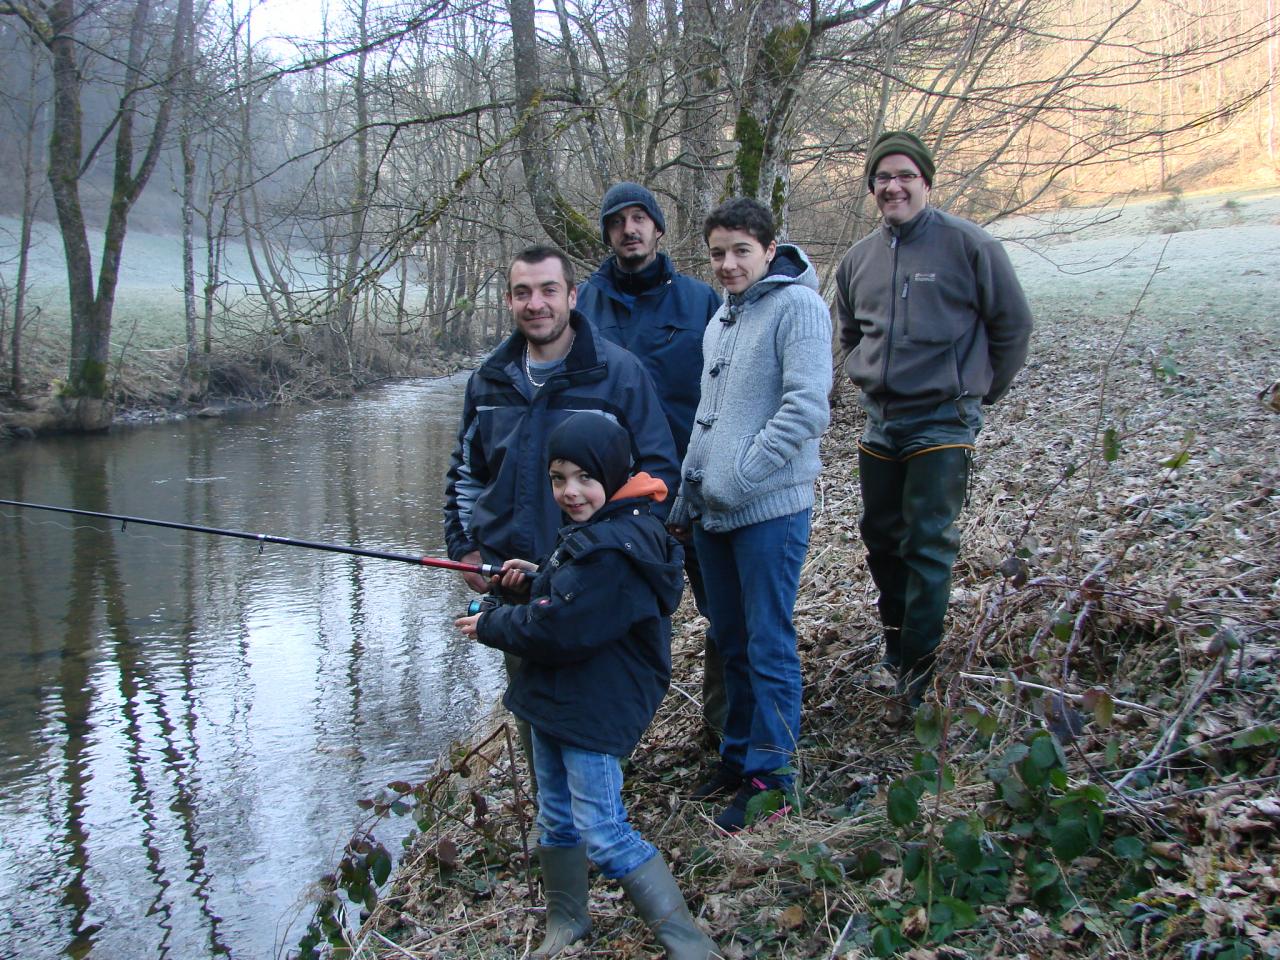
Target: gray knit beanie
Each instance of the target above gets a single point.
(906, 143)
(628, 194)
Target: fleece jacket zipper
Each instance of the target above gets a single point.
(893, 311)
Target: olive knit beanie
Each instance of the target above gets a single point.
(906, 143)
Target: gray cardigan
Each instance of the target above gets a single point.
(766, 374)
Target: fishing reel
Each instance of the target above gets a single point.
(483, 604)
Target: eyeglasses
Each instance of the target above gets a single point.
(906, 179)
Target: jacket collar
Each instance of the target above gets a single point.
(655, 556)
(582, 355)
(604, 277)
(913, 228)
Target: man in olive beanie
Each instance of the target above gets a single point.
(905, 143)
(935, 326)
(638, 300)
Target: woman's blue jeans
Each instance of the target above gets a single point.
(752, 575)
(580, 801)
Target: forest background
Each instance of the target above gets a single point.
(345, 203)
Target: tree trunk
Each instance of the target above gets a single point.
(635, 93)
(91, 310)
(589, 133)
(344, 326)
(190, 373)
(699, 132)
(778, 49)
(565, 226)
(214, 241)
(30, 198)
(88, 360)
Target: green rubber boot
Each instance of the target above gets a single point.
(908, 525)
(564, 883)
(933, 494)
(661, 905)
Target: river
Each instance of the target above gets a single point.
(187, 722)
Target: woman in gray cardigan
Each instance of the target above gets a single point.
(746, 488)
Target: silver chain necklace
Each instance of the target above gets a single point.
(539, 385)
(535, 383)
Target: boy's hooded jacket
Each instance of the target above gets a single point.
(595, 636)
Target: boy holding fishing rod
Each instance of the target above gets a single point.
(594, 638)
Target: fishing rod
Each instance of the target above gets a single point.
(484, 569)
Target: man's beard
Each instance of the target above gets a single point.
(632, 261)
(551, 336)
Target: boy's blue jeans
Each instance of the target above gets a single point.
(752, 575)
(580, 801)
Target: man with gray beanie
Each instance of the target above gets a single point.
(935, 325)
(638, 300)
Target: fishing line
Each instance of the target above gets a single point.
(141, 536)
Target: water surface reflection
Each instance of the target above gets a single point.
(185, 723)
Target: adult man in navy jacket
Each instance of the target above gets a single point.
(498, 502)
(638, 299)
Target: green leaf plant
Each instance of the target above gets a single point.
(1020, 847)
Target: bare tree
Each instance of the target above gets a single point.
(146, 80)
(31, 109)
(422, 145)
(563, 223)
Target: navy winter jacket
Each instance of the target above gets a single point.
(663, 327)
(595, 638)
(498, 498)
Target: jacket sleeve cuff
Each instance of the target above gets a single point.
(679, 514)
(488, 631)
(459, 550)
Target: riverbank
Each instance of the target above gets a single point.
(1096, 773)
(154, 386)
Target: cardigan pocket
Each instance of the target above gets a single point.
(752, 466)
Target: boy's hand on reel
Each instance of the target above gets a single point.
(515, 576)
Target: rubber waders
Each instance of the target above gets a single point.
(909, 527)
